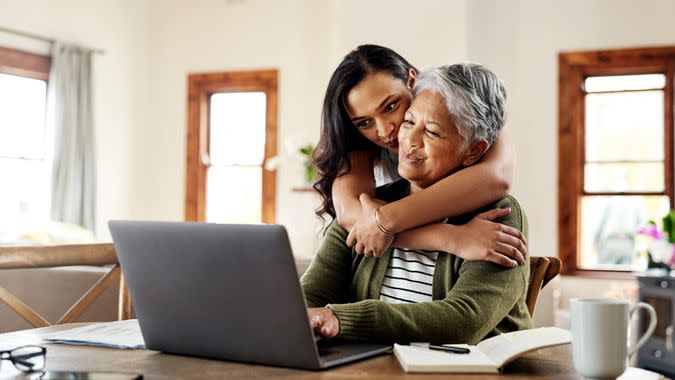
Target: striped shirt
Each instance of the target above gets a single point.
(409, 276)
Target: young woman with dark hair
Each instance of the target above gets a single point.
(364, 106)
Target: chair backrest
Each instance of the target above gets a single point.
(542, 270)
(15, 257)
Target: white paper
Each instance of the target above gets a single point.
(419, 359)
(504, 347)
(119, 334)
(633, 373)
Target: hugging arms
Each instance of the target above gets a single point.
(411, 294)
(364, 107)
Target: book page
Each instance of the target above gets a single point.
(506, 347)
(118, 334)
(420, 359)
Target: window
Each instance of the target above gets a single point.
(231, 133)
(24, 162)
(615, 157)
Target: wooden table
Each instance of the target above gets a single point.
(547, 363)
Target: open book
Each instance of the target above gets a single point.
(488, 356)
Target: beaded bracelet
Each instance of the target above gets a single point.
(378, 221)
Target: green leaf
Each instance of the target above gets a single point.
(307, 150)
(669, 226)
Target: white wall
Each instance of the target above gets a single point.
(212, 36)
(520, 40)
(304, 40)
(432, 32)
(120, 28)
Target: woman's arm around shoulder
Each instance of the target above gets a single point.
(464, 191)
(350, 184)
(467, 190)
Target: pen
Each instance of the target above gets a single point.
(438, 347)
(454, 350)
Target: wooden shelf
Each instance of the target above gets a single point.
(302, 189)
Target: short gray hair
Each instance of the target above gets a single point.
(474, 96)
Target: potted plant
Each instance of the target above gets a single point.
(306, 152)
(661, 247)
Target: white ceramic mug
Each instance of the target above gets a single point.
(600, 335)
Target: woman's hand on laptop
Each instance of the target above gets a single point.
(323, 321)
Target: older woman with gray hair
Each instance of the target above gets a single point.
(417, 295)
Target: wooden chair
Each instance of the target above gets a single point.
(16, 257)
(542, 270)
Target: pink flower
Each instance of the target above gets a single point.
(651, 230)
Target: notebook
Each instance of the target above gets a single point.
(488, 356)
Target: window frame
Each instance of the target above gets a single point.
(27, 65)
(573, 69)
(200, 87)
(24, 64)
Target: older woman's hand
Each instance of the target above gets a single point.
(323, 321)
(365, 236)
(481, 239)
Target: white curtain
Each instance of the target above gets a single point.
(70, 115)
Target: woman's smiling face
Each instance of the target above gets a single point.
(377, 107)
(430, 145)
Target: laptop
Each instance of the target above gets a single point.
(223, 291)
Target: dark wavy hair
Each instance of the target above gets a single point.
(339, 136)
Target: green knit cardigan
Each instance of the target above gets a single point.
(472, 300)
